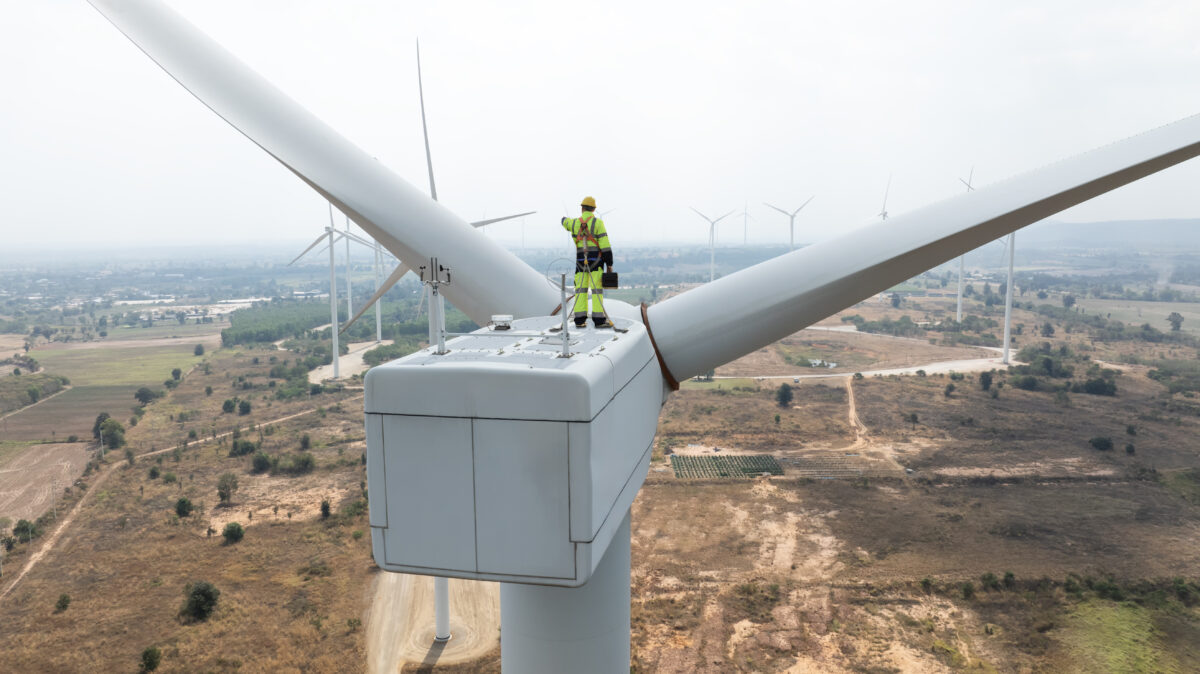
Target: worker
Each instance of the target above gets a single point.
(591, 250)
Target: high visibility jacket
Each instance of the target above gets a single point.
(591, 240)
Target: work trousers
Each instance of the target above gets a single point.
(585, 281)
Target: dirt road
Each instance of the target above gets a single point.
(400, 625)
(349, 364)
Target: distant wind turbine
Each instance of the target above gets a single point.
(712, 242)
(791, 221)
(962, 258)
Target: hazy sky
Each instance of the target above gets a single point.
(650, 107)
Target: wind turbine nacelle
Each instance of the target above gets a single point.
(501, 460)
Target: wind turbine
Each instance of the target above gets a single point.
(401, 269)
(883, 214)
(792, 221)
(538, 457)
(962, 258)
(712, 242)
(333, 235)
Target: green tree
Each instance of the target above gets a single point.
(1068, 301)
(199, 350)
(112, 434)
(260, 463)
(34, 393)
(985, 380)
(305, 441)
(1047, 329)
(784, 395)
(233, 533)
(151, 657)
(176, 374)
(912, 418)
(183, 507)
(129, 456)
(200, 600)
(228, 406)
(244, 408)
(25, 529)
(896, 299)
(145, 395)
(64, 600)
(100, 419)
(949, 389)
(1176, 321)
(1101, 443)
(207, 390)
(325, 509)
(227, 486)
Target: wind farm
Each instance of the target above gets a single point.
(759, 471)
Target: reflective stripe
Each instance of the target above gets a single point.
(581, 314)
(581, 290)
(597, 291)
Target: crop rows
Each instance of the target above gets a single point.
(744, 465)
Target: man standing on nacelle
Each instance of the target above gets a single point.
(591, 249)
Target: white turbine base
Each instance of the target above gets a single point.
(583, 630)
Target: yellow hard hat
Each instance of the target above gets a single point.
(588, 201)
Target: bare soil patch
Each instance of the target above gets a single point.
(29, 477)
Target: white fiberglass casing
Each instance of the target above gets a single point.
(501, 460)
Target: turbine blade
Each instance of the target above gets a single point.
(402, 218)
(777, 208)
(310, 247)
(424, 128)
(395, 276)
(492, 221)
(702, 215)
(722, 217)
(803, 205)
(715, 323)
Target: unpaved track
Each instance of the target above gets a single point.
(50, 541)
(349, 364)
(400, 625)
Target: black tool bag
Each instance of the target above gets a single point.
(608, 279)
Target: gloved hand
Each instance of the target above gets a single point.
(610, 268)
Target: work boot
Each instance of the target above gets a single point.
(580, 324)
(603, 323)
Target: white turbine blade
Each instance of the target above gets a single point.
(492, 221)
(399, 216)
(708, 219)
(722, 217)
(718, 322)
(778, 209)
(886, 190)
(310, 247)
(802, 206)
(424, 128)
(395, 276)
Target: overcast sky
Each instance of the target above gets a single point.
(649, 107)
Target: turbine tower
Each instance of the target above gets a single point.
(791, 221)
(962, 258)
(712, 242)
(533, 450)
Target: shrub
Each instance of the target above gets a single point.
(233, 533)
(199, 350)
(153, 472)
(242, 447)
(25, 529)
(227, 486)
(176, 374)
(968, 590)
(207, 390)
(200, 600)
(151, 657)
(927, 584)
(72, 438)
(989, 581)
(64, 600)
(183, 507)
(1102, 444)
(228, 406)
(985, 380)
(784, 395)
(949, 389)
(170, 478)
(1010, 580)
(305, 441)
(325, 507)
(244, 408)
(261, 463)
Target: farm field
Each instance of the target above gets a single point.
(28, 478)
(99, 364)
(69, 413)
(1137, 313)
